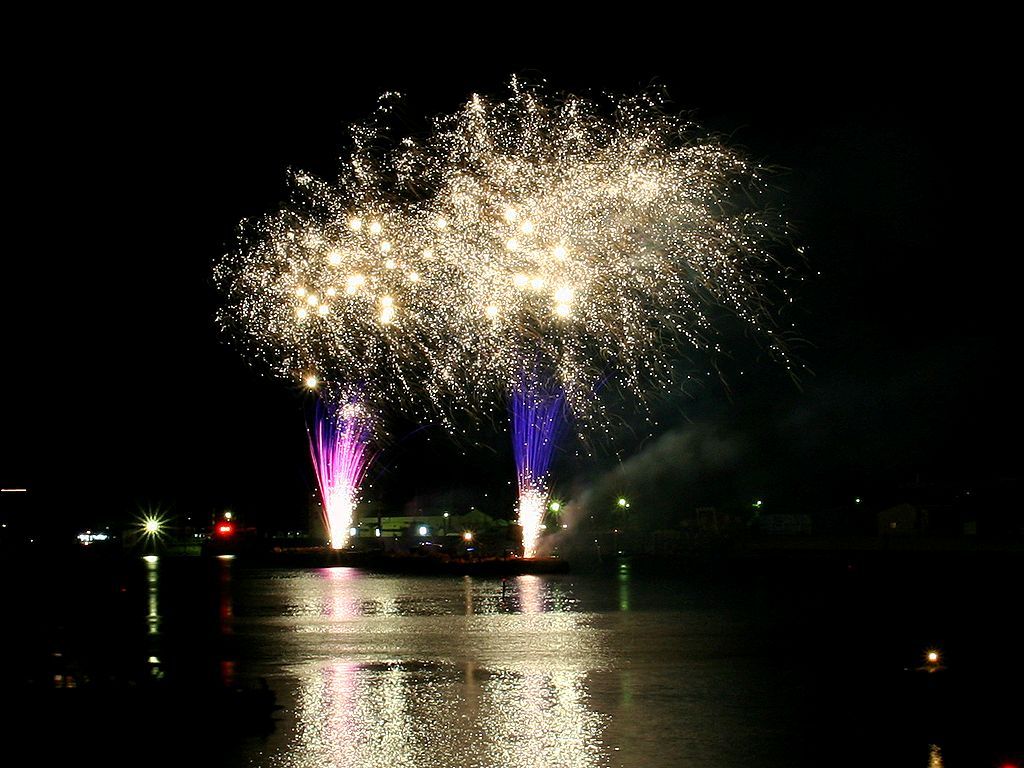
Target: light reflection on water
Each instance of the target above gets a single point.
(152, 596)
(153, 645)
(577, 671)
(401, 714)
(620, 669)
(460, 674)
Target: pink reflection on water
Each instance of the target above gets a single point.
(339, 600)
(331, 721)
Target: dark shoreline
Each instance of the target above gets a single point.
(728, 560)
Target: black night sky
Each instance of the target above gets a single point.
(132, 163)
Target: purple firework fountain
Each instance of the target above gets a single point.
(537, 420)
(338, 443)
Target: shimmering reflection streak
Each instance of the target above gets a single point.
(542, 720)
(454, 678)
(531, 594)
(339, 602)
(152, 584)
(624, 587)
(227, 620)
(327, 725)
(540, 717)
(226, 611)
(935, 757)
(153, 650)
(364, 715)
(537, 715)
(467, 595)
(353, 715)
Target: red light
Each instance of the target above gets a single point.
(225, 529)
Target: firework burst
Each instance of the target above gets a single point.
(597, 238)
(325, 288)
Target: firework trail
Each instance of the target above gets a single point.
(537, 416)
(338, 444)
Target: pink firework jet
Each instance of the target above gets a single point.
(338, 443)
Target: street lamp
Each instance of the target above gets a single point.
(152, 527)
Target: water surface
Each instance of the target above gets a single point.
(582, 671)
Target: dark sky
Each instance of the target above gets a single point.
(132, 163)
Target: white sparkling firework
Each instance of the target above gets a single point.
(592, 241)
(323, 287)
(583, 239)
(530, 510)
